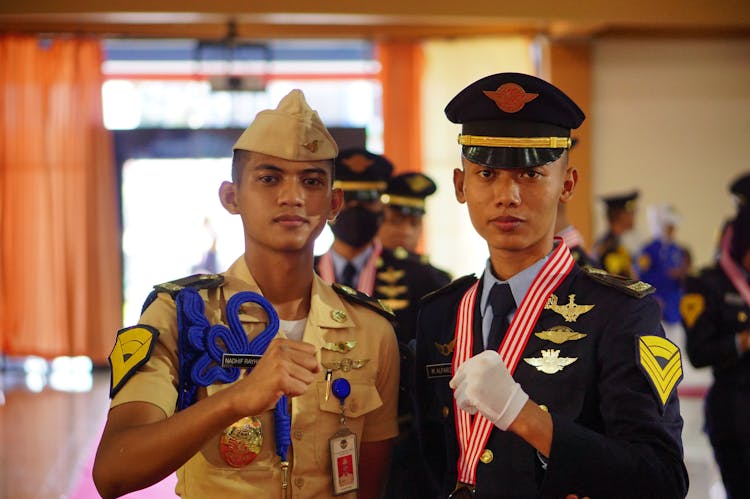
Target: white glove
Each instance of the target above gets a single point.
(483, 384)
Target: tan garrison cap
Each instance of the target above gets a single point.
(292, 131)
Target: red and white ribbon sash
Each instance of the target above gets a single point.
(473, 436)
(731, 269)
(366, 281)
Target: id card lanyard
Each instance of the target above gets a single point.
(343, 447)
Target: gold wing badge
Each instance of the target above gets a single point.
(570, 311)
(661, 362)
(550, 362)
(340, 347)
(559, 335)
(345, 365)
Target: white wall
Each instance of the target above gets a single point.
(450, 65)
(671, 118)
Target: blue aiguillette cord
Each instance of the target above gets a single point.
(202, 338)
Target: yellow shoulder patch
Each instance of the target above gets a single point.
(692, 306)
(661, 362)
(132, 349)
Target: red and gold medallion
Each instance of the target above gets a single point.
(241, 442)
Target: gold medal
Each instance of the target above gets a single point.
(241, 442)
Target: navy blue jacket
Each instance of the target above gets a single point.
(613, 437)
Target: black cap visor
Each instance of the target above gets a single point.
(511, 157)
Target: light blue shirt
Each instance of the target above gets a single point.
(359, 261)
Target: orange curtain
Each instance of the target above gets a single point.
(60, 266)
(400, 76)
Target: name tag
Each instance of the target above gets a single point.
(439, 371)
(239, 360)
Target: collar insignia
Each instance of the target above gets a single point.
(570, 311)
(550, 362)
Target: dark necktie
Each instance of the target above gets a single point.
(347, 277)
(501, 299)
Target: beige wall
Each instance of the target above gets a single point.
(671, 118)
(450, 66)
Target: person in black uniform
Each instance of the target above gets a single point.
(404, 209)
(403, 279)
(541, 378)
(405, 206)
(716, 313)
(610, 253)
(740, 189)
(353, 257)
(397, 279)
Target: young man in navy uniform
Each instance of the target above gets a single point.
(541, 378)
(716, 314)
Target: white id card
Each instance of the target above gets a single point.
(344, 464)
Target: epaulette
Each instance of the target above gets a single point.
(360, 298)
(195, 281)
(461, 282)
(633, 287)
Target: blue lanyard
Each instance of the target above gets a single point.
(200, 353)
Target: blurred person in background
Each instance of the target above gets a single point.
(716, 313)
(664, 264)
(609, 251)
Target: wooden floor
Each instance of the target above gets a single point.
(46, 434)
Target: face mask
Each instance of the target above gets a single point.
(356, 226)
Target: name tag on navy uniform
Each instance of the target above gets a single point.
(439, 370)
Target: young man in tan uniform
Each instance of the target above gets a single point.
(178, 400)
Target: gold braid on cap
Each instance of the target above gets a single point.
(547, 142)
(402, 201)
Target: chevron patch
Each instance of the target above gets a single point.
(661, 362)
(692, 306)
(132, 349)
